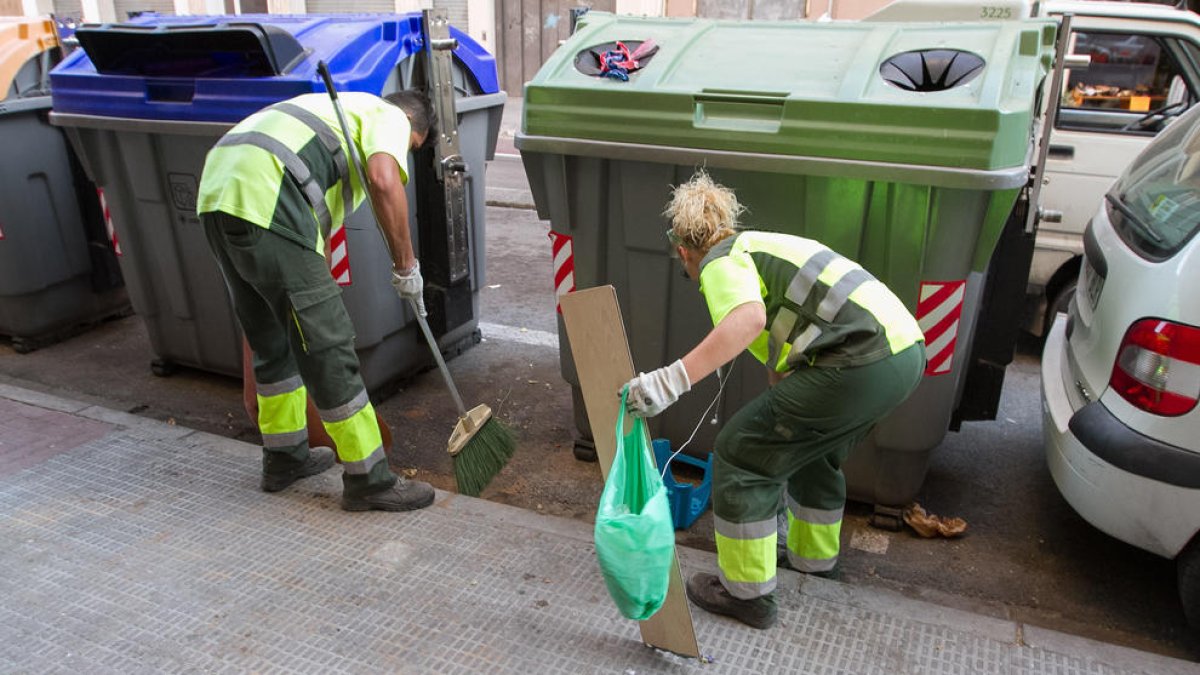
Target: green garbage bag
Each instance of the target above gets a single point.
(635, 536)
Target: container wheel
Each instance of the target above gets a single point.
(22, 346)
(888, 518)
(163, 367)
(585, 451)
(1187, 566)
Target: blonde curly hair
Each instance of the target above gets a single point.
(702, 212)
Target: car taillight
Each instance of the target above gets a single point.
(1158, 367)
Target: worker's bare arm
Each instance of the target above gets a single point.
(727, 339)
(391, 206)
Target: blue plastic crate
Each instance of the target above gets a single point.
(687, 501)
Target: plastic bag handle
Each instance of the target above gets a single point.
(621, 414)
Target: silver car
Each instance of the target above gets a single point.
(1121, 369)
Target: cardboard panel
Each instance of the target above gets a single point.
(601, 352)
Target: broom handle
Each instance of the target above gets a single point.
(437, 355)
(362, 179)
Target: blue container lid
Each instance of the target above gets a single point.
(224, 68)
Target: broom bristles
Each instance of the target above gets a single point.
(483, 457)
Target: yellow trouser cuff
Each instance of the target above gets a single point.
(812, 541)
(746, 560)
(356, 436)
(282, 413)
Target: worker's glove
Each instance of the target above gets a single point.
(653, 392)
(410, 286)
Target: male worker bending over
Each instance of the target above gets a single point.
(271, 190)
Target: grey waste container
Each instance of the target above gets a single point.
(145, 101)
(58, 272)
(902, 146)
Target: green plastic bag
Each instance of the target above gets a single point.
(635, 536)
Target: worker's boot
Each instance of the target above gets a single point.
(282, 468)
(382, 490)
(707, 591)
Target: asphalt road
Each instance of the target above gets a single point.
(1027, 556)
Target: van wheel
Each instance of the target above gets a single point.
(1061, 302)
(1187, 566)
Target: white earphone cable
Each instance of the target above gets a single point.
(722, 379)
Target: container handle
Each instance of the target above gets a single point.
(739, 111)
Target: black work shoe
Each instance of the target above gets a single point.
(405, 495)
(834, 574)
(319, 459)
(707, 592)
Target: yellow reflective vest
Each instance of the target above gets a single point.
(822, 309)
(286, 168)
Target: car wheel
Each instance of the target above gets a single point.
(1061, 302)
(1187, 565)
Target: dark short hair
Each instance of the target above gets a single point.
(417, 106)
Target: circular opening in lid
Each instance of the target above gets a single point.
(931, 69)
(587, 61)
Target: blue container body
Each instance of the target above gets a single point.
(361, 50)
(687, 500)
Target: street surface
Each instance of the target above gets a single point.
(1026, 556)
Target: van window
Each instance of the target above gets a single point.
(1129, 75)
(1155, 207)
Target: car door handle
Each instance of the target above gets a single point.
(1062, 151)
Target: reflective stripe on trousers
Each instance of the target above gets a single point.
(281, 417)
(353, 428)
(814, 537)
(746, 556)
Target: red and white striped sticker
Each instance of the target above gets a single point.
(938, 312)
(564, 264)
(339, 259)
(108, 221)
(1, 232)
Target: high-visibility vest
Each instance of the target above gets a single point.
(822, 309)
(286, 168)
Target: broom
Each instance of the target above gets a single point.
(479, 444)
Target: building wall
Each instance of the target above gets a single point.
(528, 32)
(777, 10)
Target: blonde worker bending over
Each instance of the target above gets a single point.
(841, 353)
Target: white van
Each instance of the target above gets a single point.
(1144, 72)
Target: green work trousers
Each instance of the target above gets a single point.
(796, 436)
(292, 313)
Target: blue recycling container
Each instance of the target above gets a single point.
(143, 102)
(224, 68)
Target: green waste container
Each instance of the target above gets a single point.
(902, 146)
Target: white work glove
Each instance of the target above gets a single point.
(653, 392)
(410, 286)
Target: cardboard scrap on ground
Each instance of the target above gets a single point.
(930, 525)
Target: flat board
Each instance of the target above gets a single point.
(601, 350)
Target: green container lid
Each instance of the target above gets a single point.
(818, 90)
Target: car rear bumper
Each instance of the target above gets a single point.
(1143, 511)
